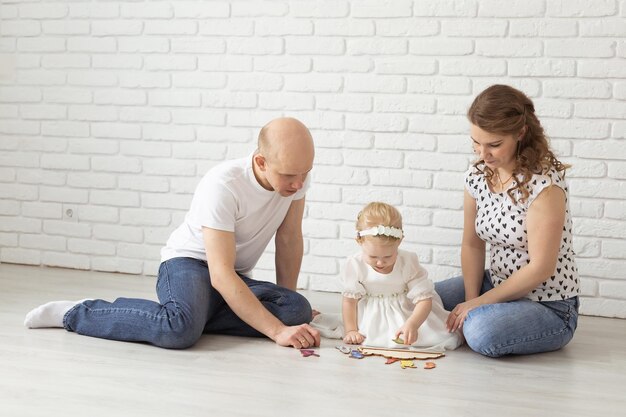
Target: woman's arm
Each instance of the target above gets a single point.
(544, 226)
(472, 250)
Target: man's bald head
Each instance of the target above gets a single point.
(285, 156)
(283, 138)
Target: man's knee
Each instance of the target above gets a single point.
(295, 309)
(179, 334)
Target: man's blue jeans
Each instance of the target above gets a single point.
(188, 307)
(517, 327)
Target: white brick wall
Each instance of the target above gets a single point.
(115, 109)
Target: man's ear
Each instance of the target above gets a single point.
(260, 161)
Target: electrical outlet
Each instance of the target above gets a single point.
(70, 213)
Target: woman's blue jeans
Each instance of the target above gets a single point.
(188, 307)
(517, 327)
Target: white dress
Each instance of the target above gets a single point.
(386, 301)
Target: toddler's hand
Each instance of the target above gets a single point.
(353, 337)
(409, 334)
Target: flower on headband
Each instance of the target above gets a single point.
(381, 231)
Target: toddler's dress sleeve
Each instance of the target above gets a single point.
(352, 275)
(419, 286)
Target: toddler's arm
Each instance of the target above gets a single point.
(412, 324)
(349, 313)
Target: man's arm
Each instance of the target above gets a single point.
(289, 246)
(220, 251)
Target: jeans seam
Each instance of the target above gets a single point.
(66, 315)
(169, 294)
(123, 310)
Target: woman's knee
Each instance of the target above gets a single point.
(451, 291)
(481, 337)
(494, 340)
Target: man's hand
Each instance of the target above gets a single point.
(301, 336)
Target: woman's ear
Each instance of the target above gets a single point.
(522, 134)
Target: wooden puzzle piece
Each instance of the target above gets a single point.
(308, 352)
(405, 354)
(343, 349)
(355, 354)
(398, 341)
(407, 364)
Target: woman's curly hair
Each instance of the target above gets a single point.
(502, 109)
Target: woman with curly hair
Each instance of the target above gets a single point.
(516, 200)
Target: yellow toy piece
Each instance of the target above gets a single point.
(407, 364)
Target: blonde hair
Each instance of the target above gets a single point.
(378, 214)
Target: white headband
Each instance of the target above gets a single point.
(381, 230)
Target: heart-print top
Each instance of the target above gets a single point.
(502, 224)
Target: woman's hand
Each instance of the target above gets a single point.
(459, 313)
(353, 337)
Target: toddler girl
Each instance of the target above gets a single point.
(386, 292)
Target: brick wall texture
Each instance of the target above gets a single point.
(110, 112)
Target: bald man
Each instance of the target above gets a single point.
(204, 283)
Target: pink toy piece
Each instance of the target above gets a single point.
(308, 352)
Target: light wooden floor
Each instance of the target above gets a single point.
(51, 372)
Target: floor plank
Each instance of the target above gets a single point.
(51, 372)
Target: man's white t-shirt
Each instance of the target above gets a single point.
(229, 198)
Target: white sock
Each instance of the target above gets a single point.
(49, 314)
(329, 325)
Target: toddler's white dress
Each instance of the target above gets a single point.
(386, 301)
